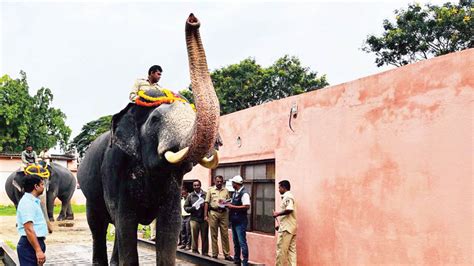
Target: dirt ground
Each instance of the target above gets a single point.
(71, 245)
(79, 233)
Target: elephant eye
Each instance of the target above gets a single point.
(154, 119)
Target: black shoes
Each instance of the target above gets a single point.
(214, 257)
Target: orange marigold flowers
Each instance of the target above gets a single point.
(169, 98)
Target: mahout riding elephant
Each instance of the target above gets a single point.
(61, 184)
(133, 174)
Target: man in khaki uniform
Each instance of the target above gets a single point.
(286, 245)
(154, 75)
(217, 216)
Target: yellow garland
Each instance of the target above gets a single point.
(44, 174)
(168, 98)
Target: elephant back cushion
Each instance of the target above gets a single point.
(154, 98)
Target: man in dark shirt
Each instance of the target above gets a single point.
(195, 205)
(238, 217)
(28, 157)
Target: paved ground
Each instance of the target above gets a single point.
(70, 245)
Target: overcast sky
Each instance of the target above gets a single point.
(89, 54)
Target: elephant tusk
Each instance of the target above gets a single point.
(210, 162)
(177, 157)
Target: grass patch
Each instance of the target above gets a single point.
(111, 233)
(10, 244)
(75, 208)
(146, 230)
(9, 210)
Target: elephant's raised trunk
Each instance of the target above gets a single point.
(205, 98)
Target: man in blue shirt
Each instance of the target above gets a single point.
(31, 223)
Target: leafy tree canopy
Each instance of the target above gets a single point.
(423, 32)
(246, 84)
(89, 133)
(26, 119)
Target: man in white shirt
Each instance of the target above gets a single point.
(45, 157)
(238, 217)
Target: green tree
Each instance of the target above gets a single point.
(89, 133)
(423, 32)
(48, 125)
(26, 119)
(246, 84)
(187, 93)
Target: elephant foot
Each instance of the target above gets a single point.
(51, 219)
(61, 218)
(70, 217)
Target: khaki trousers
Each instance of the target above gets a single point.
(286, 249)
(196, 228)
(219, 221)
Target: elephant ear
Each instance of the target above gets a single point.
(124, 132)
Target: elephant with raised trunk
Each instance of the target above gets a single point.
(133, 173)
(61, 184)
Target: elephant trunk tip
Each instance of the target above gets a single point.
(192, 22)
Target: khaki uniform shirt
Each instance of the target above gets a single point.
(214, 195)
(142, 85)
(288, 222)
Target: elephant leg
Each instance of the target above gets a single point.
(69, 213)
(62, 213)
(50, 206)
(98, 225)
(126, 225)
(115, 255)
(168, 225)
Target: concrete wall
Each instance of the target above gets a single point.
(381, 167)
(7, 166)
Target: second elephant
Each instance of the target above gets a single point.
(62, 185)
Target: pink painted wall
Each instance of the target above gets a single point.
(381, 167)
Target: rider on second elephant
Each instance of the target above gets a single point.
(28, 157)
(45, 157)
